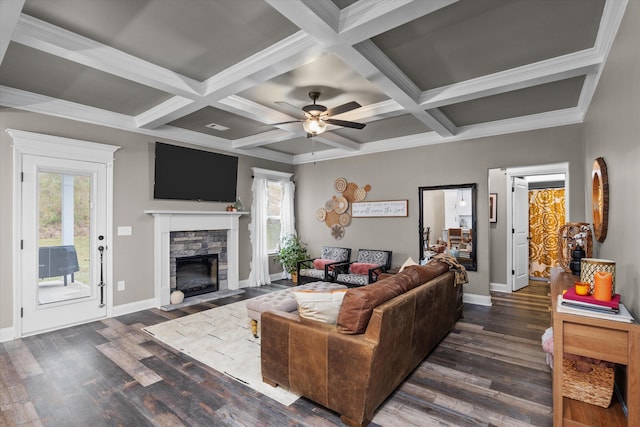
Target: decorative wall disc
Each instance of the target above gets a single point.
(321, 214)
(341, 205)
(360, 194)
(337, 232)
(332, 219)
(344, 219)
(340, 184)
(329, 205)
(349, 192)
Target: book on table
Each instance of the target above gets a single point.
(622, 315)
(570, 298)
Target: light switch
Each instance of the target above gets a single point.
(121, 285)
(124, 230)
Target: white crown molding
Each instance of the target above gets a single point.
(41, 104)
(500, 127)
(550, 70)
(9, 17)
(54, 40)
(609, 24)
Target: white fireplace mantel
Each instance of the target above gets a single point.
(166, 221)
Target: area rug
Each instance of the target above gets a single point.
(221, 339)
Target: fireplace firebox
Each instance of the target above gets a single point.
(196, 275)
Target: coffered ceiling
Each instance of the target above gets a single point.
(424, 71)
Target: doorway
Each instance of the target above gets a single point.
(510, 240)
(62, 209)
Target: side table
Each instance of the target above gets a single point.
(609, 340)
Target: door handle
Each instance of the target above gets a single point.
(101, 284)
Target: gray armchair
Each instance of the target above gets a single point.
(365, 270)
(314, 269)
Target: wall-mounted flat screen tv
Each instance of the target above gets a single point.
(187, 174)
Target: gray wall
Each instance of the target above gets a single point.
(498, 230)
(397, 175)
(133, 193)
(612, 131)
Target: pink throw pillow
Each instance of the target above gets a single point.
(319, 263)
(362, 267)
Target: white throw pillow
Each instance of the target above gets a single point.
(322, 306)
(407, 263)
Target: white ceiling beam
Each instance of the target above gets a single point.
(373, 64)
(290, 53)
(365, 58)
(547, 71)
(364, 19)
(9, 16)
(57, 41)
(260, 139)
(36, 103)
(337, 141)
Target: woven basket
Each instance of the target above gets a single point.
(595, 387)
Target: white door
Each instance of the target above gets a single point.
(520, 233)
(64, 225)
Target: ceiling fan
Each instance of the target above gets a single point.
(318, 116)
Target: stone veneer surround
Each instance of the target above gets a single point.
(167, 221)
(200, 242)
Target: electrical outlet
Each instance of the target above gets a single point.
(121, 285)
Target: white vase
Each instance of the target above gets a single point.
(177, 297)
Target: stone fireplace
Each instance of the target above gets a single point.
(194, 233)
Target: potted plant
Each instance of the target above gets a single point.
(291, 251)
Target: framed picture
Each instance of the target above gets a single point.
(386, 208)
(493, 207)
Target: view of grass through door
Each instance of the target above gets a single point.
(56, 214)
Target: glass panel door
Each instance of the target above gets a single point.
(64, 224)
(64, 262)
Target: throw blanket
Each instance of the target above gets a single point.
(459, 270)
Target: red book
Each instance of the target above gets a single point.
(571, 295)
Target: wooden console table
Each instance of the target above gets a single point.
(609, 340)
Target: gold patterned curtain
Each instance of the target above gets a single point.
(546, 215)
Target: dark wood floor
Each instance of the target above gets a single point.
(489, 371)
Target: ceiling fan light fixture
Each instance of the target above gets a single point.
(314, 125)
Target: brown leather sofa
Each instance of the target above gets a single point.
(383, 332)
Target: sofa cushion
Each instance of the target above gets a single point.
(358, 304)
(427, 272)
(362, 267)
(322, 306)
(319, 263)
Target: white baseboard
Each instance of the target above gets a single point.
(120, 310)
(498, 287)
(7, 334)
(477, 299)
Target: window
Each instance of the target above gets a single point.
(274, 219)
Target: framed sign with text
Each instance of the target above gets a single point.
(383, 208)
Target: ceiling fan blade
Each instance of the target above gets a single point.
(291, 109)
(343, 108)
(284, 123)
(345, 123)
